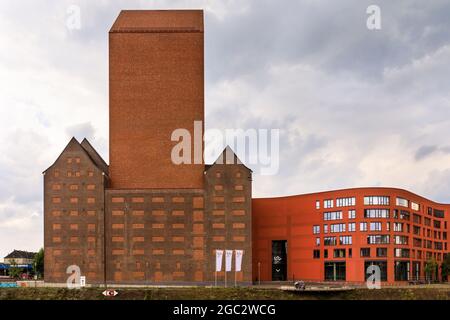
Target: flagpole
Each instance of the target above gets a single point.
(225, 276)
(215, 278)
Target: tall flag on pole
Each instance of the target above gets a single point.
(228, 258)
(238, 260)
(219, 258)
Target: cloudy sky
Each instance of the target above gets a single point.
(355, 107)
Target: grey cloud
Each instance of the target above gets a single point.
(424, 151)
(333, 37)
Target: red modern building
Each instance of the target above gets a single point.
(337, 235)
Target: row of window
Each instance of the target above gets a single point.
(237, 174)
(73, 160)
(336, 271)
(72, 187)
(74, 200)
(383, 214)
(73, 173)
(337, 253)
(377, 226)
(332, 241)
(384, 239)
(377, 200)
(379, 253)
(428, 244)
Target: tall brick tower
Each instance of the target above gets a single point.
(156, 81)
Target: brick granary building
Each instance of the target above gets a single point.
(144, 219)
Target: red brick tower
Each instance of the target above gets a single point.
(156, 81)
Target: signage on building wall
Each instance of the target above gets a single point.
(277, 260)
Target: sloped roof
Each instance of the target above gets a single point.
(18, 254)
(224, 158)
(93, 154)
(90, 152)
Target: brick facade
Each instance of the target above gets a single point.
(163, 222)
(152, 235)
(156, 85)
(73, 214)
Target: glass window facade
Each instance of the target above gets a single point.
(345, 202)
(378, 239)
(335, 271)
(376, 200)
(333, 215)
(376, 213)
(401, 202)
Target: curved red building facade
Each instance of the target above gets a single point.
(336, 235)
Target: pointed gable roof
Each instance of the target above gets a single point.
(228, 156)
(73, 143)
(95, 156)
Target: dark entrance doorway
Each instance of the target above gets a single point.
(401, 270)
(335, 271)
(279, 260)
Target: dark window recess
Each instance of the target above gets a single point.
(437, 224)
(339, 253)
(382, 252)
(335, 271)
(365, 252)
(325, 253)
(438, 213)
(316, 254)
(401, 270)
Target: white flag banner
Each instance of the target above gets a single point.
(228, 258)
(219, 258)
(238, 260)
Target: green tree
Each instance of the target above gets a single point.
(14, 270)
(38, 263)
(445, 267)
(430, 269)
